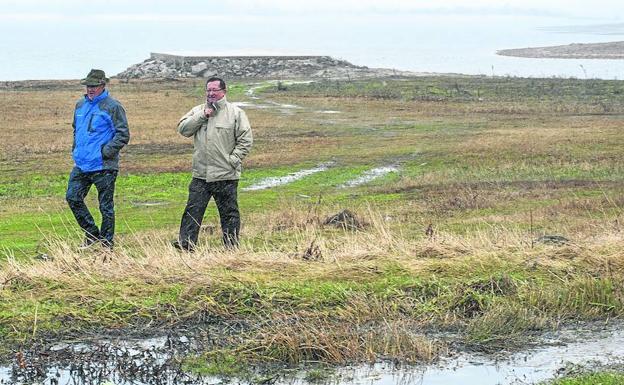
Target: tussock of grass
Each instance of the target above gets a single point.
(217, 363)
(308, 338)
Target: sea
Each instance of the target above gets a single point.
(438, 43)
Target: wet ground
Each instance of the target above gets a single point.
(262, 103)
(370, 175)
(366, 177)
(292, 177)
(159, 361)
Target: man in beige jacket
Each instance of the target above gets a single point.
(222, 138)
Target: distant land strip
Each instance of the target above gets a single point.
(611, 50)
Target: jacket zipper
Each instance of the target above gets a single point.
(89, 127)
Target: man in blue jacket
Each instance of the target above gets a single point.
(100, 132)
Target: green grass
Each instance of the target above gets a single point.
(147, 202)
(319, 375)
(217, 363)
(606, 378)
(474, 88)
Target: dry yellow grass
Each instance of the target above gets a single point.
(149, 257)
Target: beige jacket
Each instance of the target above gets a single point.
(221, 141)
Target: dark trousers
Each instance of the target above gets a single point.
(225, 196)
(77, 189)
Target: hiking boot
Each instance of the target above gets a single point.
(182, 246)
(106, 244)
(88, 243)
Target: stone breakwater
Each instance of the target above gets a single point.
(165, 66)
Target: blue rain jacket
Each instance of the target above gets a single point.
(100, 132)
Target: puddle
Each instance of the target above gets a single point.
(124, 361)
(287, 109)
(148, 204)
(156, 361)
(284, 108)
(270, 104)
(251, 92)
(528, 367)
(370, 175)
(279, 181)
(282, 180)
(281, 107)
(284, 105)
(245, 104)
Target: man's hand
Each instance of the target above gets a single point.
(209, 110)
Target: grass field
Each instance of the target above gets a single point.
(454, 239)
(607, 378)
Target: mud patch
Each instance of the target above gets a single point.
(148, 361)
(345, 220)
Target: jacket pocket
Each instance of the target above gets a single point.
(224, 127)
(99, 123)
(106, 154)
(234, 162)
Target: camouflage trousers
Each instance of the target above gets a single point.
(225, 196)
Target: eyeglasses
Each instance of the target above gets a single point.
(99, 85)
(215, 90)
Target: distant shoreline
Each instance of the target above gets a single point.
(611, 50)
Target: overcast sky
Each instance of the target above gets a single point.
(167, 10)
(436, 36)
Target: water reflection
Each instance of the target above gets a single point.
(157, 361)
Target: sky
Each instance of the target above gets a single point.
(53, 39)
(167, 10)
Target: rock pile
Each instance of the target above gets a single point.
(173, 66)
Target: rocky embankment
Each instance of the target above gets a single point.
(612, 50)
(165, 66)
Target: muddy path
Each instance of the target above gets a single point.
(260, 102)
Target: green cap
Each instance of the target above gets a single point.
(95, 78)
